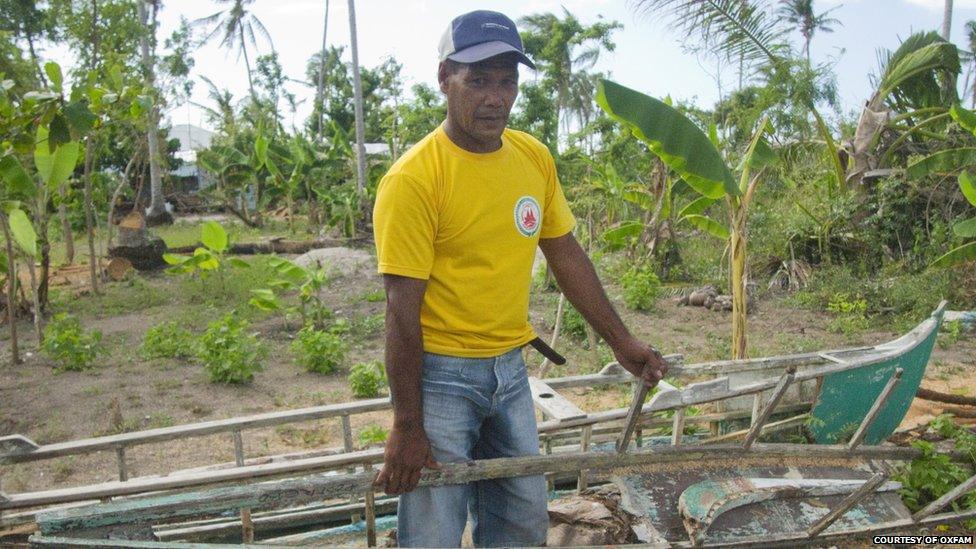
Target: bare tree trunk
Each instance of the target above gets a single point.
(90, 214)
(320, 87)
(358, 91)
(947, 20)
(69, 237)
(12, 281)
(157, 214)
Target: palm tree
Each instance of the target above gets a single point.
(358, 98)
(236, 26)
(320, 85)
(562, 48)
(157, 213)
(970, 57)
(800, 14)
(946, 19)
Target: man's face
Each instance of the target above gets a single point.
(480, 97)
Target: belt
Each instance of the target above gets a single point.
(547, 351)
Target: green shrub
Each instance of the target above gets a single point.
(850, 314)
(641, 287)
(168, 340)
(318, 351)
(229, 353)
(68, 345)
(950, 333)
(366, 378)
(372, 434)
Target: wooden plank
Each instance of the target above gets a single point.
(120, 461)
(773, 427)
(778, 392)
(946, 499)
(633, 414)
(552, 404)
(269, 419)
(879, 403)
(702, 503)
(269, 521)
(585, 435)
(16, 444)
(247, 526)
(678, 427)
(137, 486)
(316, 487)
(849, 502)
(370, 501)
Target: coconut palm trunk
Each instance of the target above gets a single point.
(946, 20)
(358, 91)
(157, 214)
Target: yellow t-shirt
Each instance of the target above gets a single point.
(469, 224)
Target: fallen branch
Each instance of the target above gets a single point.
(935, 396)
(277, 246)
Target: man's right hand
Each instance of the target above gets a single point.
(407, 453)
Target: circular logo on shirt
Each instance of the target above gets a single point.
(528, 216)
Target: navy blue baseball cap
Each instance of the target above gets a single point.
(481, 34)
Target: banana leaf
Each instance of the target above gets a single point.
(966, 252)
(965, 229)
(709, 225)
(967, 187)
(671, 136)
(942, 162)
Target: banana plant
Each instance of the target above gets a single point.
(309, 282)
(964, 229)
(684, 148)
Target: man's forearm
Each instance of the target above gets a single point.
(404, 351)
(579, 282)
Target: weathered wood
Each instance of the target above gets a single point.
(946, 499)
(778, 392)
(316, 487)
(268, 521)
(633, 414)
(552, 404)
(773, 427)
(247, 526)
(702, 503)
(800, 538)
(347, 444)
(120, 460)
(678, 426)
(268, 419)
(16, 444)
(370, 501)
(849, 502)
(879, 403)
(756, 408)
(585, 436)
(137, 486)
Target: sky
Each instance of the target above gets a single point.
(648, 55)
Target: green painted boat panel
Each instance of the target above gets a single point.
(845, 397)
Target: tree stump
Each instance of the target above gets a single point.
(142, 249)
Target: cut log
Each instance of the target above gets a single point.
(276, 246)
(118, 268)
(935, 396)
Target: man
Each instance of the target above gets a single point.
(457, 220)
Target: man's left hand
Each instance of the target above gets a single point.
(642, 360)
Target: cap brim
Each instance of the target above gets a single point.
(480, 52)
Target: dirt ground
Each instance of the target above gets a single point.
(52, 407)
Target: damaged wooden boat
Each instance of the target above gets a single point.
(722, 486)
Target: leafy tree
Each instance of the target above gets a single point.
(564, 49)
(28, 21)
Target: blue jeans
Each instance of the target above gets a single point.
(477, 408)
